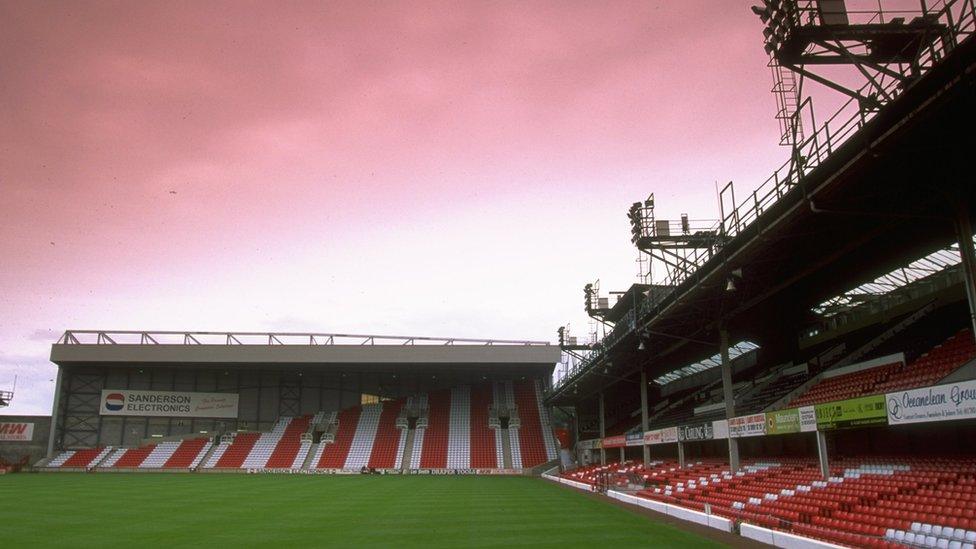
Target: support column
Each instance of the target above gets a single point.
(681, 454)
(822, 454)
(603, 433)
(623, 456)
(729, 397)
(964, 232)
(55, 415)
(643, 394)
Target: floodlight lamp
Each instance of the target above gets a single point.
(763, 13)
(641, 346)
(730, 286)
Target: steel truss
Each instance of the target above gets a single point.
(135, 337)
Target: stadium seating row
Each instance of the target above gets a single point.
(866, 502)
(926, 370)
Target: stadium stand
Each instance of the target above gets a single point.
(926, 370)
(456, 429)
(868, 501)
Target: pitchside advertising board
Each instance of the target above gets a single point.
(124, 402)
(16, 432)
(747, 426)
(855, 412)
(947, 402)
(617, 441)
(635, 439)
(794, 420)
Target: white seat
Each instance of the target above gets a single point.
(899, 535)
(916, 526)
(959, 533)
(942, 543)
(955, 545)
(931, 541)
(926, 529)
(937, 531)
(970, 536)
(890, 533)
(910, 538)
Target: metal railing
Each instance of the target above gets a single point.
(135, 337)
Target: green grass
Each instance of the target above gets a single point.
(80, 510)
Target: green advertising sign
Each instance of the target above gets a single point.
(783, 422)
(856, 412)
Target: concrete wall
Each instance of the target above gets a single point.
(36, 448)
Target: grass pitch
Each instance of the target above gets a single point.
(181, 510)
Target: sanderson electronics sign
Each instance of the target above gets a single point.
(940, 403)
(124, 402)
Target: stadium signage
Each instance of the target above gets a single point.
(124, 402)
(661, 436)
(691, 433)
(784, 422)
(808, 419)
(855, 412)
(635, 439)
(16, 432)
(591, 444)
(720, 429)
(939, 403)
(618, 441)
(747, 426)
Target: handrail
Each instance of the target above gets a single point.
(165, 337)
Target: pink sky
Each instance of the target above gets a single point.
(456, 169)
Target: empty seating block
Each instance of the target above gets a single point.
(187, 454)
(289, 444)
(236, 452)
(362, 442)
(532, 446)
(334, 455)
(483, 454)
(85, 458)
(867, 502)
(459, 429)
(434, 450)
(928, 369)
(386, 445)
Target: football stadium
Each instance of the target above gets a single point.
(799, 372)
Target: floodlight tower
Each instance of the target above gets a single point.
(886, 49)
(568, 342)
(681, 246)
(596, 307)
